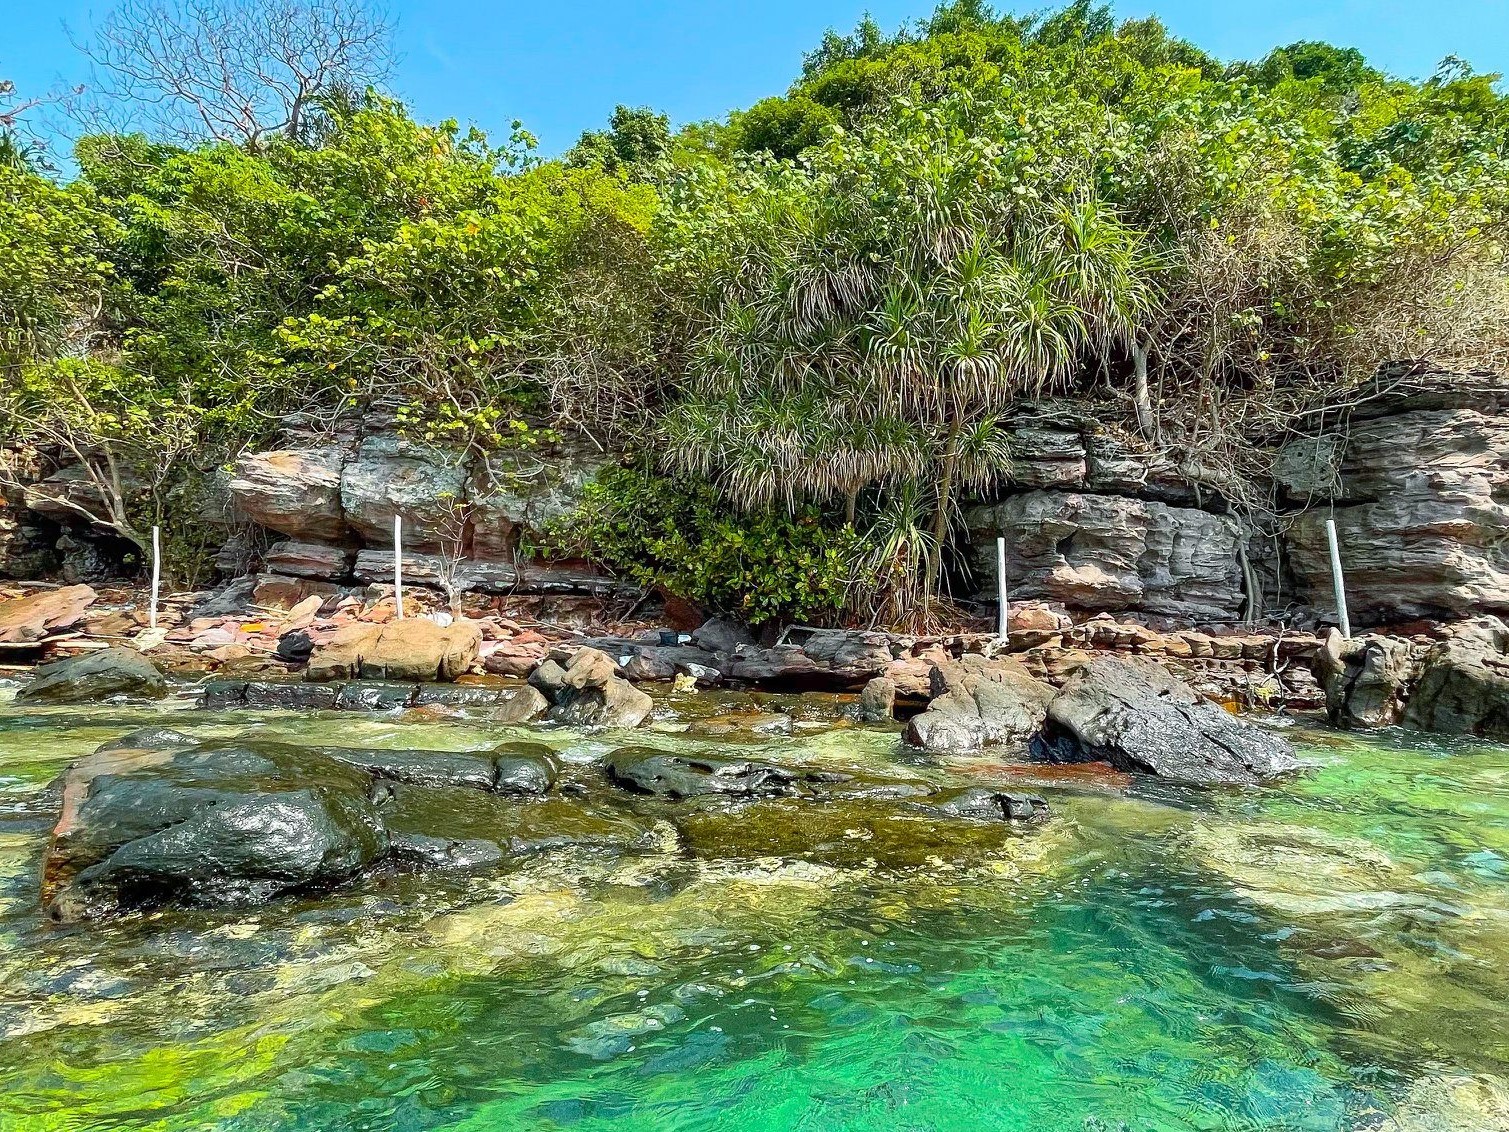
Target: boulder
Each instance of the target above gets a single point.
(526, 768)
(979, 703)
(877, 703)
(296, 492)
(524, 706)
(1111, 552)
(415, 648)
(95, 676)
(514, 493)
(35, 616)
(222, 826)
(1137, 716)
(1464, 683)
(717, 635)
(588, 693)
(1366, 679)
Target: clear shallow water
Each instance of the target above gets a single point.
(1330, 953)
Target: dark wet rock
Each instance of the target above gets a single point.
(421, 768)
(717, 635)
(286, 695)
(1139, 717)
(294, 648)
(372, 695)
(877, 703)
(423, 851)
(1366, 679)
(649, 771)
(984, 804)
(209, 826)
(148, 739)
(979, 703)
(548, 679)
(519, 768)
(220, 695)
(1464, 683)
(525, 705)
(460, 695)
(95, 676)
(525, 768)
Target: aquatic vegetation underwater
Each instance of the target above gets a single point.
(1331, 953)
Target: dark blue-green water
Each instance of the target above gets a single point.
(1331, 953)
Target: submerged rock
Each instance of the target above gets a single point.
(1137, 716)
(877, 703)
(688, 776)
(979, 703)
(984, 804)
(95, 676)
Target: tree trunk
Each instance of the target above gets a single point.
(940, 518)
(1147, 424)
(851, 504)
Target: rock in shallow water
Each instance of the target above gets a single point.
(205, 825)
(1137, 716)
(979, 703)
(95, 676)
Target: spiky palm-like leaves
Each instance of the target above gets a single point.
(882, 306)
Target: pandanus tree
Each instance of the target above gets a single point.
(878, 308)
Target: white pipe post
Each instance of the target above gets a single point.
(398, 564)
(156, 578)
(1338, 584)
(1001, 584)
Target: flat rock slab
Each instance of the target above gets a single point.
(25, 620)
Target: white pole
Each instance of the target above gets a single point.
(398, 563)
(156, 578)
(1001, 584)
(1336, 580)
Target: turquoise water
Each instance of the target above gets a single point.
(1331, 953)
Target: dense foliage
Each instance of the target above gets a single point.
(814, 316)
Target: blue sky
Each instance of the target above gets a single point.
(561, 69)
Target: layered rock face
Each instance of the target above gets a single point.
(1421, 509)
(333, 500)
(1113, 552)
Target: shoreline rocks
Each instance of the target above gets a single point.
(1138, 717)
(93, 677)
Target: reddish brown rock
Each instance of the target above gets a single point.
(31, 618)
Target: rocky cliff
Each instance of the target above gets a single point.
(1416, 475)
